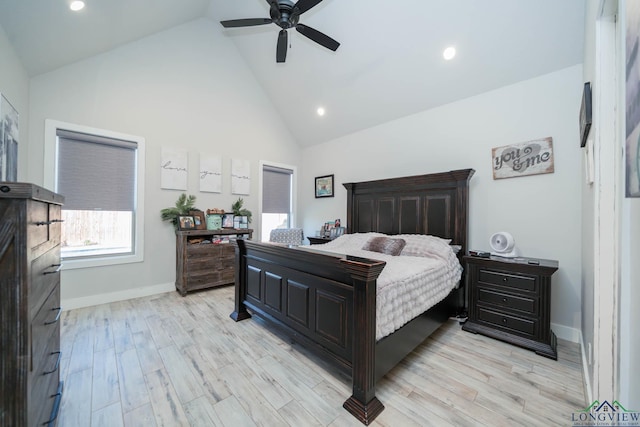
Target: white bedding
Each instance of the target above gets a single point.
(411, 283)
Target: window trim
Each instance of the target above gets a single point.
(50, 172)
(294, 191)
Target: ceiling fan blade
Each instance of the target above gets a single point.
(233, 23)
(303, 5)
(281, 50)
(317, 36)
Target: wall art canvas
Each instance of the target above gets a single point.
(522, 159)
(632, 57)
(173, 169)
(240, 176)
(210, 174)
(8, 141)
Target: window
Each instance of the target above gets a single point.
(100, 175)
(277, 198)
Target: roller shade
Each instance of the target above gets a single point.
(95, 172)
(276, 190)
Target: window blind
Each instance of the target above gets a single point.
(95, 172)
(276, 190)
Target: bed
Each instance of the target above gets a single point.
(327, 302)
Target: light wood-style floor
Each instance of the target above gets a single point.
(166, 360)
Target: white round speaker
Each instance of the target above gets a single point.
(502, 244)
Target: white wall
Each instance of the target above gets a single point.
(14, 85)
(542, 211)
(183, 88)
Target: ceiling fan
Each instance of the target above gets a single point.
(286, 14)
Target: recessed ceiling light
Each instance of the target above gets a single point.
(76, 5)
(320, 111)
(449, 53)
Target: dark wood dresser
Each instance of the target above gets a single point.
(29, 305)
(201, 264)
(510, 299)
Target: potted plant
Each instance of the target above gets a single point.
(184, 204)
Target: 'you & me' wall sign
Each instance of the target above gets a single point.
(528, 158)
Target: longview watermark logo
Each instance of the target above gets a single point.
(606, 414)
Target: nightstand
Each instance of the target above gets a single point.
(318, 240)
(510, 300)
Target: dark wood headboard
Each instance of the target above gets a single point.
(436, 204)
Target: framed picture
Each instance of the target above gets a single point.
(324, 186)
(198, 219)
(585, 114)
(186, 222)
(227, 221)
(240, 221)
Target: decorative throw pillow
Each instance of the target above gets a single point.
(385, 245)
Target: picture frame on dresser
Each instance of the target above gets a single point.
(227, 221)
(186, 222)
(198, 219)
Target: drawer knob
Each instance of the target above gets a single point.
(505, 279)
(39, 223)
(504, 300)
(55, 368)
(53, 269)
(51, 322)
(504, 320)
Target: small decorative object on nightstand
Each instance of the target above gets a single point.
(318, 240)
(510, 299)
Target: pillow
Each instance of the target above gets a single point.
(422, 245)
(385, 245)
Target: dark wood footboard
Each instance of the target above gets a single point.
(326, 302)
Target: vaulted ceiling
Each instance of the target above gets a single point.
(389, 64)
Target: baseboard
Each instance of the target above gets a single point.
(585, 372)
(73, 303)
(566, 333)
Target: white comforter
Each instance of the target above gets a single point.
(408, 284)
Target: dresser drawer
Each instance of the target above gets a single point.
(44, 385)
(513, 281)
(45, 328)
(210, 257)
(43, 226)
(37, 223)
(208, 250)
(500, 299)
(508, 322)
(45, 275)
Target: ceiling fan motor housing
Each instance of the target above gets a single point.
(282, 14)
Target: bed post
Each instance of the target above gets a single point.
(240, 311)
(363, 403)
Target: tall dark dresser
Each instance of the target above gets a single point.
(30, 387)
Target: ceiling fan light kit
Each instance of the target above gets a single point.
(286, 15)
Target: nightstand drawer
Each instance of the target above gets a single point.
(525, 283)
(527, 305)
(508, 322)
